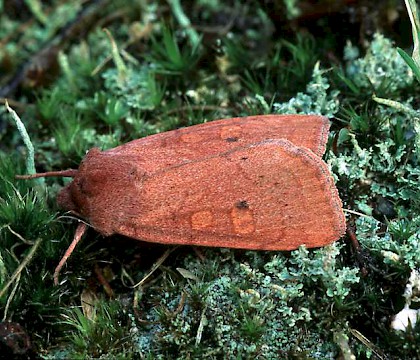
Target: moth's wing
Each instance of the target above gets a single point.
(271, 195)
(160, 151)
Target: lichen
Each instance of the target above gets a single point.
(381, 67)
(316, 100)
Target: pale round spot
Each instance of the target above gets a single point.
(201, 220)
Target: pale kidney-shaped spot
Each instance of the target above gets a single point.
(201, 220)
(191, 138)
(242, 220)
(230, 132)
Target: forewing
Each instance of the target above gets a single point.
(271, 195)
(157, 152)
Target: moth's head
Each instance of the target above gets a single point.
(104, 181)
(101, 181)
(87, 184)
(64, 199)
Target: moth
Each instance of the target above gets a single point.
(256, 182)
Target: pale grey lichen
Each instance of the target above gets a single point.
(315, 100)
(382, 66)
(259, 306)
(138, 90)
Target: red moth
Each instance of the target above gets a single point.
(256, 182)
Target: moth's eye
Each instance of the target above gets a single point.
(65, 199)
(89, 186)
(82, 186)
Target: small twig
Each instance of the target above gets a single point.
(180, 305)
(219, 30)
(20, 237)
(415, 27)
(115, 52)
(365, 341)
(102, 64)
(356, 213)
(10, 298)
(405, 109)
(142, 34)
(203, 321)
(45, 59)
(22, 265)
(125, 274)
(104, 282)
(155, 266)
(71, 217)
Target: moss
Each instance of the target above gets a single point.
(151, 73)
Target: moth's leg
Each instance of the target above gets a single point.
(81, 229)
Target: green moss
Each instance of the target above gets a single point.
(104, 334)
(305, 304)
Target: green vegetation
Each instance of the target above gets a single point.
(97, 74)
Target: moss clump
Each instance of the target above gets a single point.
(153, 71)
